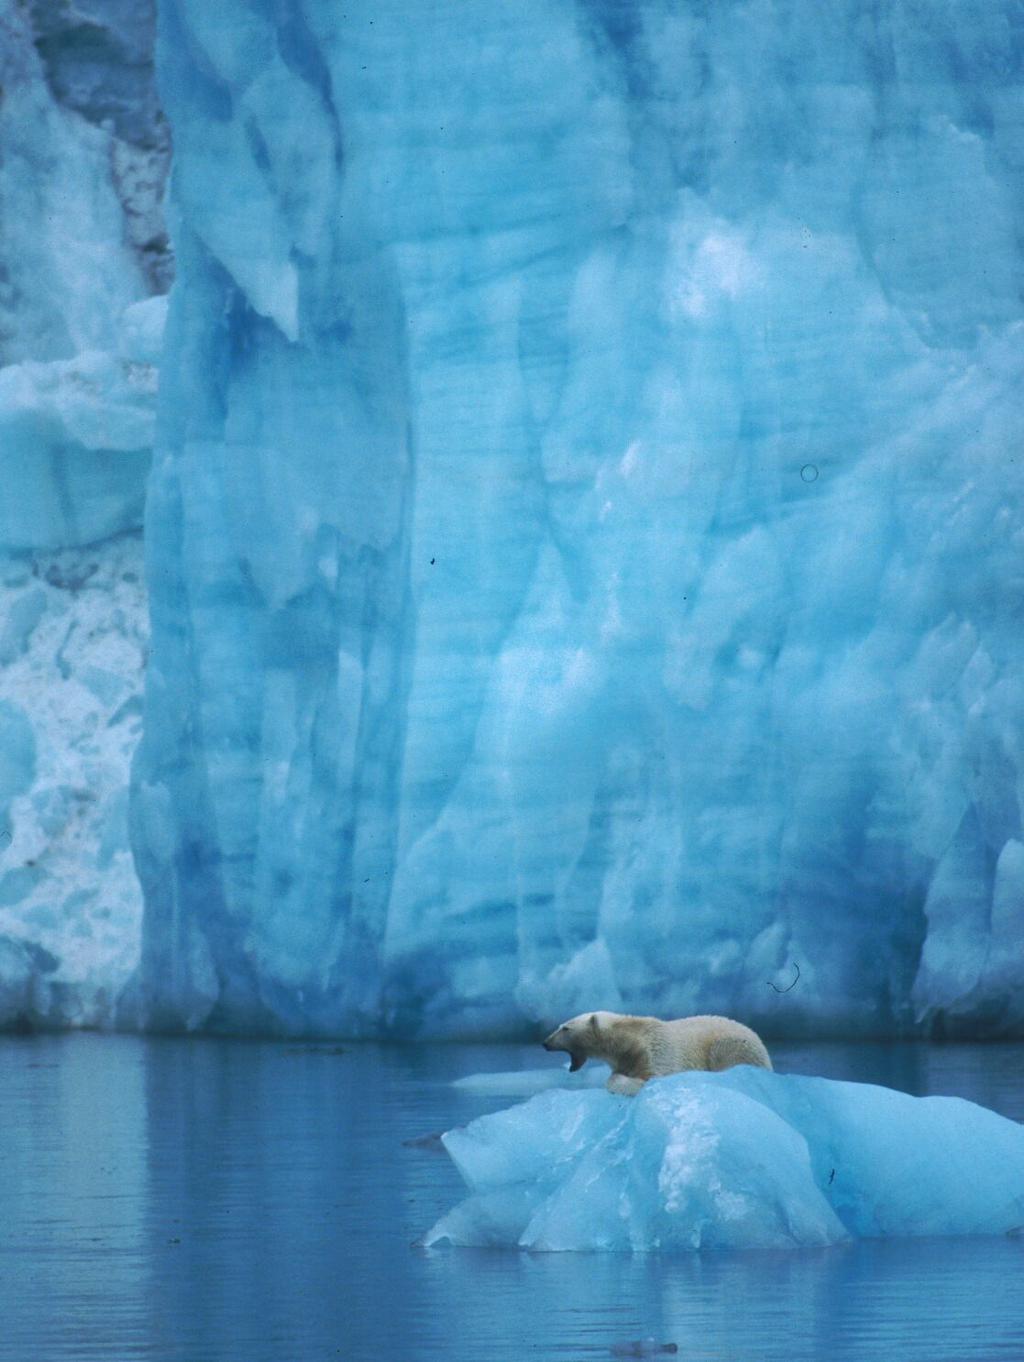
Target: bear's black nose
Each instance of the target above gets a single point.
(549, 1044)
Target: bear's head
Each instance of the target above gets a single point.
(581, 1038)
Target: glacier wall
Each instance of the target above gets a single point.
(84, 259)
(584, 542)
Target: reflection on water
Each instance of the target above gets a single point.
(201, 1201)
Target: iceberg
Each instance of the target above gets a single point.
(584, 537)
(740, 1159)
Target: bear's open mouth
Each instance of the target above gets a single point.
(576, 1061)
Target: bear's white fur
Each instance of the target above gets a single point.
(639, 1048)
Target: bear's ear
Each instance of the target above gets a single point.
(593, 1022)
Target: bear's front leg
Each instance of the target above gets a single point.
(624, 1085)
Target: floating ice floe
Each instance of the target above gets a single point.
(742, 1159)
(528, 1082)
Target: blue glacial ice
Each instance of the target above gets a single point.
(80, 188)
(585, 535)
(83, 261)
(741, 1159)
(584, 542)
(72, 651)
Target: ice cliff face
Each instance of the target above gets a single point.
(83, 256)
(585, 543)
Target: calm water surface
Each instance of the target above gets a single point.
(216, 1201)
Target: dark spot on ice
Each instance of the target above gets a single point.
(643, 1347)
(433, 561)
(809, 472)
(832, 1177)
(70, 578)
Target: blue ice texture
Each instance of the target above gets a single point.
(77, 322)
(80, 340)
(734, 1160)
(585, 533)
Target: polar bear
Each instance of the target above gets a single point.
(639, 1048)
